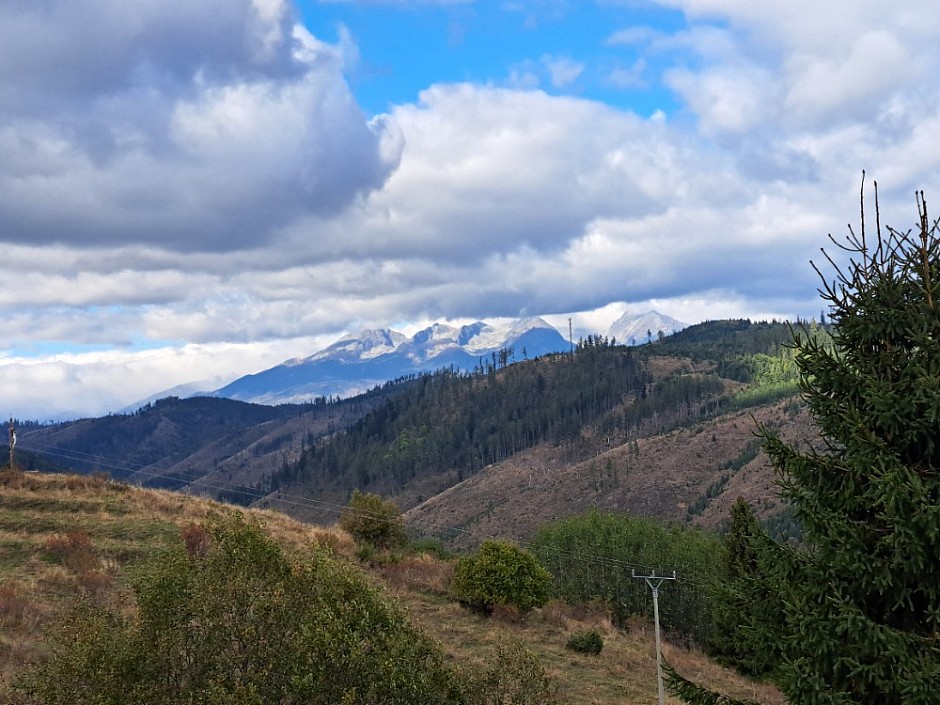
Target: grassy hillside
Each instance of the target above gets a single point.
(61, 536)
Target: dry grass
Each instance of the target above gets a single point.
(422, 573)
(66, 535)
(61, 536)
(296, 535)
(702, 670)
(624, 671)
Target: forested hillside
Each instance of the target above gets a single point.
(452, 420)
(216, 446)
(596, 415)
(559, 411)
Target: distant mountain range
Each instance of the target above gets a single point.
(357, 363)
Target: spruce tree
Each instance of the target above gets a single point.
(854, 612)
(862, 601)
(742, 598)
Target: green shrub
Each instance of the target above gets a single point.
(589, 642)
(236, 622)
(374, 521)
(501, 574)
(433, 547)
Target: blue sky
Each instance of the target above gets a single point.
(504, 44)
(193, 191)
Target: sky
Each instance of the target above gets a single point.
(193, 191)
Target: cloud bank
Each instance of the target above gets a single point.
(179, 177)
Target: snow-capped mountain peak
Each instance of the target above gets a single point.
(471, 331)
(358, 362)
(439, 331)
(524, 325)
(368, 343)
(636, 329)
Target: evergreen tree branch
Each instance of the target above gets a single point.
(694, 694)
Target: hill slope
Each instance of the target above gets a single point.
(607, 426)
(64, 535)
(690, 474)
(217, 447)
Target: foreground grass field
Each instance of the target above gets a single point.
(62, 536)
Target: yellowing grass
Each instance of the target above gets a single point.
(64, 535)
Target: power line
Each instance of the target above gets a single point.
(12, 444)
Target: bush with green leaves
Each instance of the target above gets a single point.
(589, 642)
(374, 521)
(237, 623)
(501, 574)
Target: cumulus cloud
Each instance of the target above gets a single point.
(732, 98)
(845, 85)
(830, 63)
(187, 126)
(487, 169)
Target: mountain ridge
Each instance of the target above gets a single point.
(356, 363)
(643, 328)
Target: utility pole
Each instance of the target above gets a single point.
(654, 581)
(570, 336)
(12, 443)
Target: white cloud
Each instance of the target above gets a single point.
(826, 63)
(731, 98)
(628, 77)
(718, 304)
(486, 170)
(638, 34)
(806, 23)
(96, 383)
(200, 172)
(843, 87)
(523, 77)
(563, 70)
(399, 3)
(187, 126)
